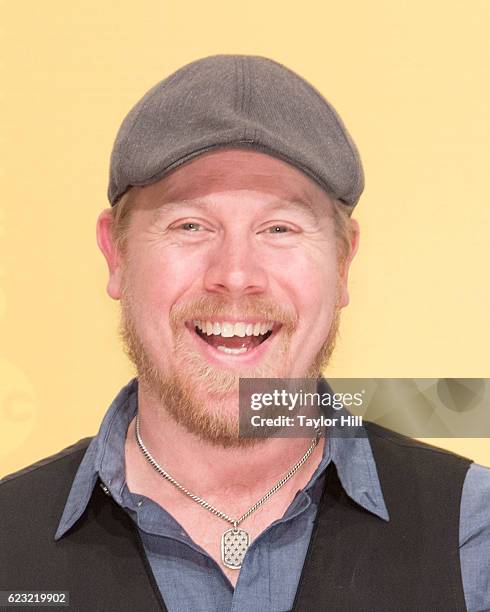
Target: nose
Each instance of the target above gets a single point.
(235, 267)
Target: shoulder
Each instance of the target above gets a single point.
(396, 442)
(474, 537)
(475, 506)
(423, 467)
(396, 439)
(43, 477)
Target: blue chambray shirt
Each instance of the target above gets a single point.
(189, 579)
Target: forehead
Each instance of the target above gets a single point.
(231, 170)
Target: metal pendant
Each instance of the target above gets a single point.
(234, 545)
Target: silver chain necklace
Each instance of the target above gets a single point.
(234, 541)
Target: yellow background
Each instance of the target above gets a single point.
(410, 80)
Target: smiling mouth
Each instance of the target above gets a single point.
(234, 338)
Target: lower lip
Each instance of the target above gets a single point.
(250, 358)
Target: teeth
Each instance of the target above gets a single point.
(240, 329)
(231, 351)
(228, 330)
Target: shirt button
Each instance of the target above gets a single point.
(140, 503)
(105, 489)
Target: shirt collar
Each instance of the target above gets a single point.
(103, 459)
(352, 455)
(348, 448)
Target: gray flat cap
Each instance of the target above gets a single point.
(235, 101)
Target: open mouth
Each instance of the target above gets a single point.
(234, 338)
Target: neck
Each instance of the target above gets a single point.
(205, 468)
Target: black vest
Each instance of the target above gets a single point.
(355, 561)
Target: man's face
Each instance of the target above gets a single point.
(230, 270)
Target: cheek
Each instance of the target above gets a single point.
(158, 279)
(310, 284)
(311, 281)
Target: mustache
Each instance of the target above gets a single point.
(247, 306)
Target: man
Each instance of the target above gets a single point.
(228, 244)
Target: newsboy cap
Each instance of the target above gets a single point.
(242, 101)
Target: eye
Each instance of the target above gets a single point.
(278, 229)
(190, 227)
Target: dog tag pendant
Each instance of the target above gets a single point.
(234, 544)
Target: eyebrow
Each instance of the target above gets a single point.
(302, 206)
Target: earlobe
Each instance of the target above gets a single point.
(354, 246)
(109, 249)
(344, 299)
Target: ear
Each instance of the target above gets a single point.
(108, 247)
(343, 281)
